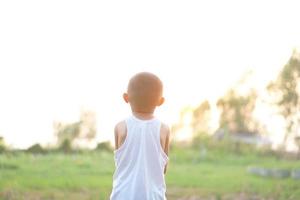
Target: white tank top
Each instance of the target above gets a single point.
(140, 163)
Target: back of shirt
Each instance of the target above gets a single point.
(140, 163)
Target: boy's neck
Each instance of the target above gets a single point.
(143, 115)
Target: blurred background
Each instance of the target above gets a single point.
(231, 74)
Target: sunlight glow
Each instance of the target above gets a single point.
(57, 57)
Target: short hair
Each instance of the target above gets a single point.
(144, 90)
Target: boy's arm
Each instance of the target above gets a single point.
(167, 148)
(120, 134)
(116, 137)
(165, 138)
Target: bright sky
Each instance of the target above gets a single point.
(59, 56)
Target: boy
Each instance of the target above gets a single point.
(142, 143)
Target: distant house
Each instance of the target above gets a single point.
(248, 138)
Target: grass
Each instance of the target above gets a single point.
(88, 175)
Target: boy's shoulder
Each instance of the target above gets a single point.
(165, 129)
(120, 127)
(120, 123)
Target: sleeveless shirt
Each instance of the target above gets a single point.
(140, 163)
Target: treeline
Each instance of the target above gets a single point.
(65, 147)
(236, 110)
(69, 137)
(237, 107)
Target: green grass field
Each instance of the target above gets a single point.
(88, 175)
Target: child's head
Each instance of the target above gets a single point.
(144, 92)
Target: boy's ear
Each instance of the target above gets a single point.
(161, 101)
(125, 97)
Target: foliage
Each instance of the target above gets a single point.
(2, 145)
(201, 118)
(84, 129)
(36, 149)
(237, 112)
(181, 122)
(286, 89)
(103, 146)
(88, 128)
(65, 146)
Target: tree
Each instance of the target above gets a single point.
(83, 129)
(65, 146)
(66, 131)
(103, 146)
(88, 125)
(201, 118)
(286, 91)
(2, 145)
(237, 112)
(182, 127)
(36, 149)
